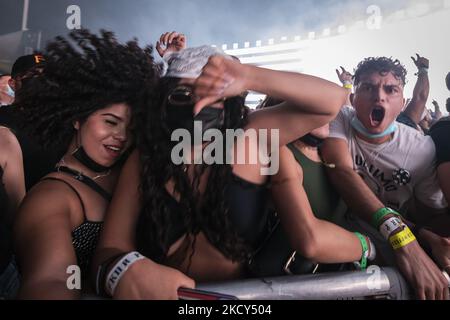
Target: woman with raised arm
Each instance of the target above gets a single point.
(173, 223)
(85, 99)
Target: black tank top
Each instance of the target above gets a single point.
(249, 213)
(85, 237)
(5, 227)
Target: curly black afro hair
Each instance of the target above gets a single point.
(81, 75)
(382, 65)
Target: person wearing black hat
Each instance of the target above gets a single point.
(23, 69)
(37, 161)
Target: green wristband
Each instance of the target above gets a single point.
(365, 249)
(380, 214)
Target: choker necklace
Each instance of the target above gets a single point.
(85, 160)
(63, 164)
(358, 126)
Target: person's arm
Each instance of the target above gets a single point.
(310, 103)
(443, 173)
(318, 240)
(346, 78)
(414, 110)
(43, 242)
(145, 279)
(420, 271)
(12, 164)
(355, 192)
(437, 112)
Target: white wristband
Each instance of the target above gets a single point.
(390, 225)
(422, 70)
(119, 270)
(372, 251)
(446, 277)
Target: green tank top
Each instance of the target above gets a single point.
(325, 201)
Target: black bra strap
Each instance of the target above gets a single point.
(73, 189)
(87, 181)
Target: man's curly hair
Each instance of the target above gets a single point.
(82, 75)
(383, 66)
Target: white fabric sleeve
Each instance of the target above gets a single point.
(339, 127)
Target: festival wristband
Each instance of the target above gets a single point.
(378, 216)
(391, 225)
(372, 250)
(402, 239)
(422, 70)
(119, 270)
(348, 86)
(365, 251)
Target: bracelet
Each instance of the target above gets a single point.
(402, 239)
(380, 214)
(372, 250)
(365, 251)
(390, 225)
(119, 270)
(422, 70)
(446, 277)
(348, 86)
(100, 278)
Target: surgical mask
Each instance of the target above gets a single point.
(358, 126)
(9, 91)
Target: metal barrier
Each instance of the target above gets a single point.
(377, 283)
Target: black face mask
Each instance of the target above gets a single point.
(181, 117)
(312, 141)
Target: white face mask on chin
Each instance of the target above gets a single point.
(10, 92)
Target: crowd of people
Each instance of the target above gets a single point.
(88, 133)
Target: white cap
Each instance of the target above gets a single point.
(189, 63)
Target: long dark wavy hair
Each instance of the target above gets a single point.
(83, 74)
(212, 218)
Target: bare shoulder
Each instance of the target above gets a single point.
(51, 201)
(8, 144)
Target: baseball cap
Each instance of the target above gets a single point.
(26, 63)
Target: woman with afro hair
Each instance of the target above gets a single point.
(173, 224)
(85, 98)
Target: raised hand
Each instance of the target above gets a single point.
(146, 280)
(170, 42)
(422, 273)
(221, 78)
(421, 62)
(345, 77)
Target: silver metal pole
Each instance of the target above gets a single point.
(26, 5)
(327, 286)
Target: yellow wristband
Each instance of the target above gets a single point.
(348, 86)
(402, 239)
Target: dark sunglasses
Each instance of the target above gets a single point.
(181, 96)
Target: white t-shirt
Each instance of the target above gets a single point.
(395, 170)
